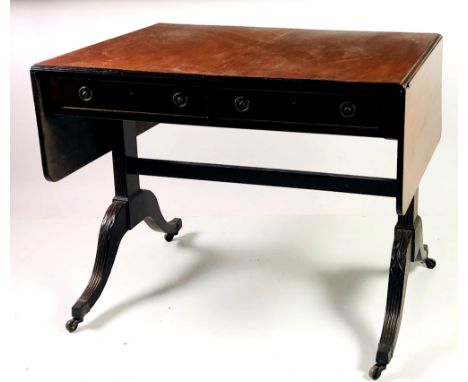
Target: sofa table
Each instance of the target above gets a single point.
(374, 84)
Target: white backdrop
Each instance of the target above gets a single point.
(64, 216)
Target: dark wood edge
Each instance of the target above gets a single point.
(263, 176)
(38, 106)
(325, 86)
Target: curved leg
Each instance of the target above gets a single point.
(122, 215)
(407, 246)
(145, 206)
(113, 227)
(156, 220)
(398, 275)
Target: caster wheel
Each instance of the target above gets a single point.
(72, 324)
(376, 370)
(430, 263)
(169, 236)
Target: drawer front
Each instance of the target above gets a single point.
(311, 108)
(114, 96)
(213, 103)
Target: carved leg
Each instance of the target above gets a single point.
(122, 215)
(113, 228)
(407, 247)
(398, 275)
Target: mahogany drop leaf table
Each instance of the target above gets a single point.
(373, 84)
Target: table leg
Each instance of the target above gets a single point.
(121, 216)
(407, 247)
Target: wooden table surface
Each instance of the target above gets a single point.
(396, 74)
(375, 57)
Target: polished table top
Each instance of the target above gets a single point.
(383, 57)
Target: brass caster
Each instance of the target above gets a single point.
(430, 263)
(376, 370)
(72, 324)
(169, 236)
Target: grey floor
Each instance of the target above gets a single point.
(297, 298)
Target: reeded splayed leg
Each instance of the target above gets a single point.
(113, 228)
(407, 246)
(398, 275)
(130, 206)
(121, 216)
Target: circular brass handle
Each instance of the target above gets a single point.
(85, 94)
(347, 109)
(180, 100)
(242, 104)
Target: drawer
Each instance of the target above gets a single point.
(182, 100)
(115, 96)
(308, 108)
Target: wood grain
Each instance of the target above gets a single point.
(382, 57)
(423, 124)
